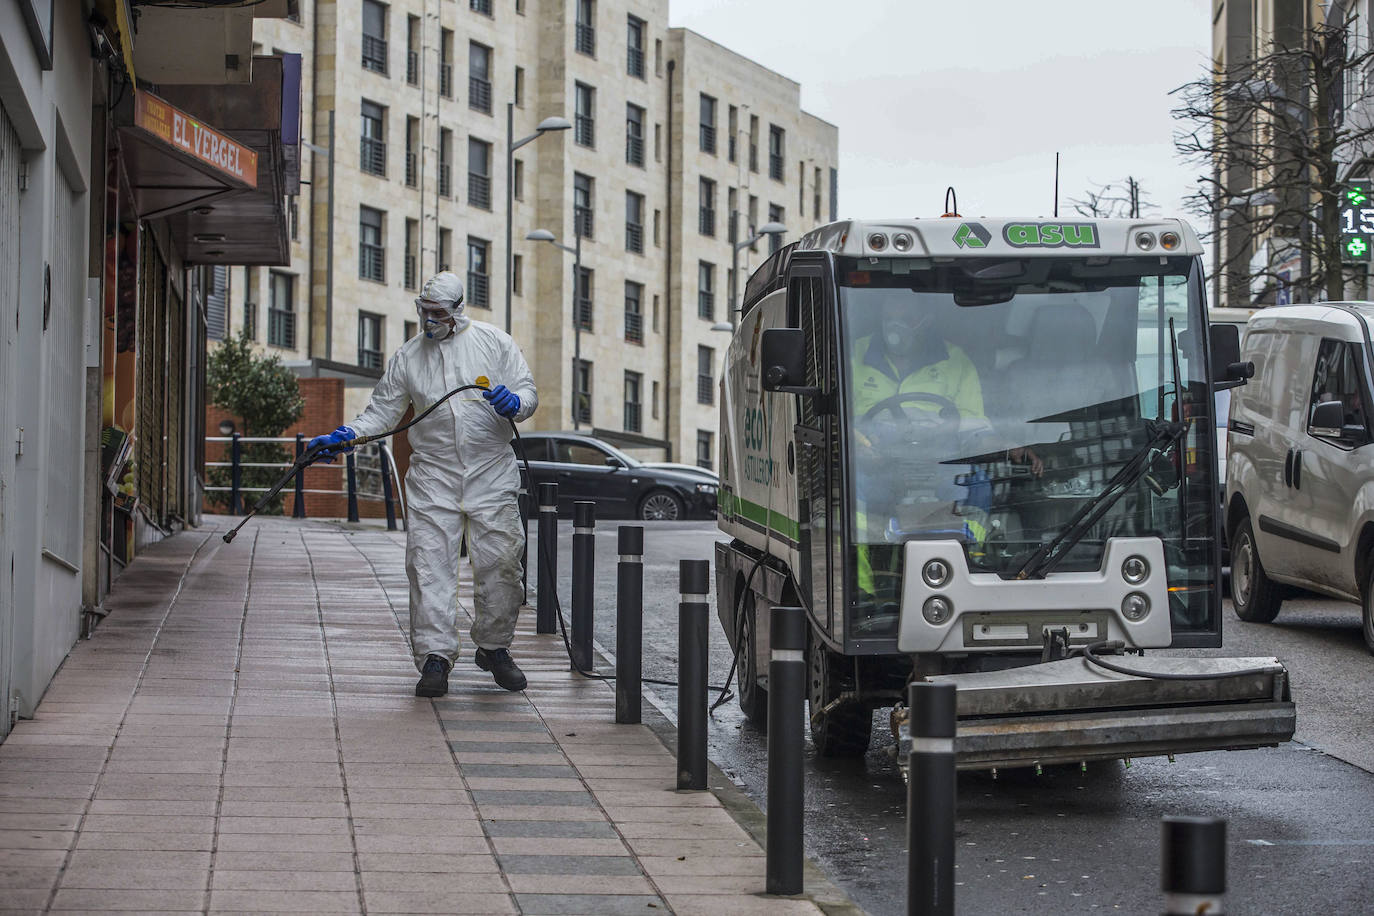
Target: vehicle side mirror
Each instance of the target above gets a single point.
(1328, 420)
(1227, 369)
(783, 352)
(614, 462)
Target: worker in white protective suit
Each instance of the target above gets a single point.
(463, 477)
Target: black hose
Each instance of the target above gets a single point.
(1090, 655)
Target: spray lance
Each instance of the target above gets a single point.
(310, 456)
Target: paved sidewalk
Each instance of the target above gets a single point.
(241, 734)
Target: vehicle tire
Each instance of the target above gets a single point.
(661, 506)
(753, 699)
(1254, 595)
(1368, 607)
(845, 730)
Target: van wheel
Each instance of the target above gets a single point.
(1369, 607)
(845, 729)
(1255, 596)
(753, 699)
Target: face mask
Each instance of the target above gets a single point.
(900, 338)
(439, 322)
(436, 329)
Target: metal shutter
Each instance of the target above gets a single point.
(64, 368)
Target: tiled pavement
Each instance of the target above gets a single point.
(241, 734)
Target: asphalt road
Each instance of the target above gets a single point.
(1300, 817)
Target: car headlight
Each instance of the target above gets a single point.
(707, 488)
(1135, 606)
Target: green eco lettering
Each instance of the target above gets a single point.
(1050, 235)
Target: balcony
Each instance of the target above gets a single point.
(412, 169)
(479, 289)
(446, 80)
(706, 221)
(374, 54)
(634, 327)
(445, 180)
(373, 156)
(586, 39)
(582, 313)
(371, 260)
(582, 222)
(585, 130)
(369, 359)
(632, 415)
(706, 305)
(706, 389)
(479, 94)
(281, 328)
(708, 139)
(634, 150)
(413, 67)
(479, 191)
(775, 167)
(634, 238)
(634, 62)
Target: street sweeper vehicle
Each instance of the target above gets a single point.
(981, 452)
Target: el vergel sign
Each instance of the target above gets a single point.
(175, 127)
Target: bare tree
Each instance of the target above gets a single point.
(1113, 199)
(1278, 138)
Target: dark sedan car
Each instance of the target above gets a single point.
(585, 467)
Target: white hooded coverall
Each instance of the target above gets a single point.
(463, 475)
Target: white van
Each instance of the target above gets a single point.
(1300, 468)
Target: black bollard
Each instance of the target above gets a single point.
(930, 800)
(236, 476)
(692, 642)
(629, 623)
(786, 699)
(583, 582)
(1193, 868)
(351, 470)
(546, 613)
(298, 503)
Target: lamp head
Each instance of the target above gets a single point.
(553, 124)
(539, 235)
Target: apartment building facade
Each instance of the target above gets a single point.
(420, 92)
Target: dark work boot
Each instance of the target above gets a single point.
(433, 677)
(502, 667)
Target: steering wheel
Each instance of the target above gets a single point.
(946, 421)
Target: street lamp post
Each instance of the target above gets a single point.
(544, 235)
(771, 228)
(545, 126)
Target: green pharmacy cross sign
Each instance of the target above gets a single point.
(1357, 222)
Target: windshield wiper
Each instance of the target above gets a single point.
(1164, 438)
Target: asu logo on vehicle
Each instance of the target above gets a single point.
(1050, 235)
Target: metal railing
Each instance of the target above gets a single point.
(775, 167)
(634, 238)
(479, 94)
(634, 327)
(582, 313)
(730, 146)
(708, 139)
(374, 53)
(586, 39)
(634, 149)
(480, 6)
(706, 304)
(479, 287)
(281, 328)
(582, 217)
(413, 67)
(706, 389)
(446, 80)
(586, 130)
(632, 416)
(412, 169)
(706, 221)
(369, 359)
(250, 320)
(370, 475)
(445, 180)
(412, 272)
(634, 62)
(371, 259)
(373, 156)
(479, 190)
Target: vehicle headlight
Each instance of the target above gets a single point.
(937, 609)
(902, 241)
(708, 488)
(1135, 606)
(1135, 570)
(1144, 240)
(1169, 241)
(877, 241)
(935, 573)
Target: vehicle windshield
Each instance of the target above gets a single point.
(990, 399)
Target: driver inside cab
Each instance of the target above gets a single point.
(917, 402)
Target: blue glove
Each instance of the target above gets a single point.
(505, 402)
(342, 434)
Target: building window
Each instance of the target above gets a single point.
(294, 215)
(411, 329)
(374, 36)
(654, 315)
(582, 391)
(634, 222)
(653, 400)
(634, 312)
(582, 298)
(478, 280)
(446, 63)
(412, 258)
(412, 152)
(517, 275)
(753, 221)
(834, 194)
(373, 154)
(369, 340)
(479, 174)
(443, 257)
(706, 290)
(519, 87)
(445, 162)
(586, 27)
(732, 215)
(583, 188)
(753, 143)
(479, 77)
(706, 375)
(371, 254)
(634, 383)
(816, 194)
(634, 48)
(520, 7)
(777, 147)
(480, 6)
(707, 136)
(658, 214)
(634, 134)
(658, 142)
(732, 125)
(705, 450)
(281, 311)
(706, 215)
(776, 214)
(585, 118)
(1356, 75)
(413, 50)
(216, 280)
(518, 179)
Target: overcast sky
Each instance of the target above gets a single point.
(980, 95)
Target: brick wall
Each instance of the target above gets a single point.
(324, 398)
